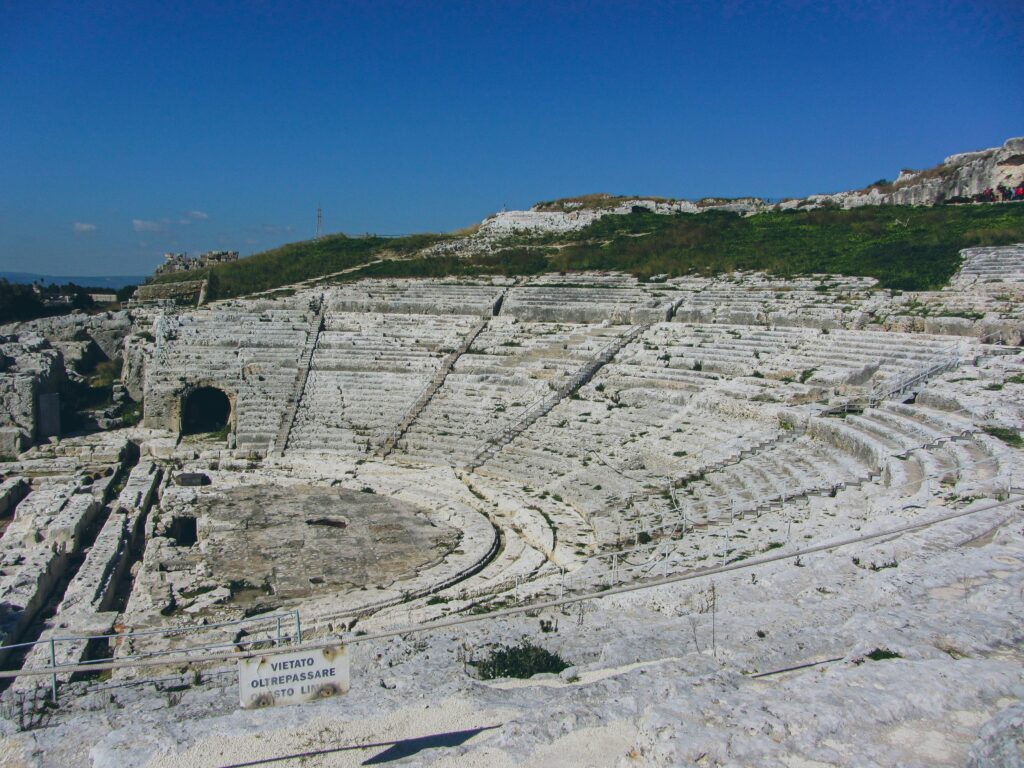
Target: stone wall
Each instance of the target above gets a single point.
(251, 356)
(80, 338)
(29, 368)
(181, 292)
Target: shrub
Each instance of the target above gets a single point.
(1009, 436)
(522, 661)
(880, 654)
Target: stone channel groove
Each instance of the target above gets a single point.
(301, 376)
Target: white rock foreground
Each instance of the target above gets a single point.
(645, 694)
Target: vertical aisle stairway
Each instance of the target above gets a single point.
(316, 325)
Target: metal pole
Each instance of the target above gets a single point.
(233, 654)
(53, 679)
(298, 626)
(278, 630)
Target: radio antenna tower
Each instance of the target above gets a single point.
(319, 222)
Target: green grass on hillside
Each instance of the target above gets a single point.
(507, 261)
(295, 262)
(903, 247)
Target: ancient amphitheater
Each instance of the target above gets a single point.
(767, 521)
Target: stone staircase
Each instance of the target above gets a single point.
(430, 390)
(912, 382)
(543, 406)
(790, 435)
(280, 443)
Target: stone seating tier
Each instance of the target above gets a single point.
(1003, 264)
(344, 410)
(510, 367)
(367, 371)
(415, 297)
(584, 305)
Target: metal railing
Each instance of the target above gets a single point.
(275, 630)
(887, 389)
(606, 569)
(561, 602)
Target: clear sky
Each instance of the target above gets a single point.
(132, 128)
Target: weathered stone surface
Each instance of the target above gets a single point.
(32, 368)
(742, 417)
(1000, 742)
(180, 292)
(577, 216)
(191, 479)
(76, 332)
(274, 545)
(962, 175)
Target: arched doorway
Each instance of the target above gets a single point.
(206, 409)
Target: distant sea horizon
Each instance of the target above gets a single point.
(87, 281)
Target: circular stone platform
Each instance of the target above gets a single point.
(278, 543)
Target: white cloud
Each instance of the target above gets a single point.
(142, 225)
(82, 227)
(193, 216)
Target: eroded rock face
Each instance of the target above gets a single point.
(106, 330)
(1000, 742)
(961, 175)
(575, 216)
(274, 544)
(30, 369)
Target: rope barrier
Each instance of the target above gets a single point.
(508, 612)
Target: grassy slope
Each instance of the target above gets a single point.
(904, 247)
(301, 261)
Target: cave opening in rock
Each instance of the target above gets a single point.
(206, 409)
(184, 531)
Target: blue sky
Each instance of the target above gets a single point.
(129, 129)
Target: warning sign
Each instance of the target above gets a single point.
(291, 678)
